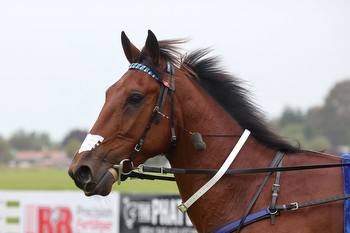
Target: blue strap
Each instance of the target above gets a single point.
(231, 226)
(138, 66)
(346, 174)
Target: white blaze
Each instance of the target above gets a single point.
(90, 142)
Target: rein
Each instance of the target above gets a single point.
(142, 169)
(165, 170)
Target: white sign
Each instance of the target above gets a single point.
(58, 212)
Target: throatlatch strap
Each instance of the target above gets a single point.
(172, 97)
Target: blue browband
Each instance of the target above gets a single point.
(138, 66)
(145, 69)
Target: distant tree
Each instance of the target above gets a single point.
(75, 134)
(296, 134)
(5, 151)
(43, 139)
(334, 117)
(22, 140)
(313, 122)
(318, 143)
(322, 127)
(291, 116)
(72, 146)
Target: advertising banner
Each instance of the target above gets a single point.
(152, 213)
(58, 212)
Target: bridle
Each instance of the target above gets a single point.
(157, 112)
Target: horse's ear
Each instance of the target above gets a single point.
(130, 51)
(152, 47)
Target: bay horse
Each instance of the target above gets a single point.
(210, 101)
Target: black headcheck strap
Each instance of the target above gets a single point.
(171, 71)
(164, 87)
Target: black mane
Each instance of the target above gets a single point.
(227, 90)
(233, 97)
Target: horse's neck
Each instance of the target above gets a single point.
(204, 115)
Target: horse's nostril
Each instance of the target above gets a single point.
(83, 174)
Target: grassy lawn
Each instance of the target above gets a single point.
(55, 179)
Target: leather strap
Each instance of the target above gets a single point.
(164, 94)
(241, 171)
(139, 145)
(184, 206)
(275, 190)
(172, 113)
(295, 205)
(278, 158)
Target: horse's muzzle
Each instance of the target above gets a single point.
(91, 180)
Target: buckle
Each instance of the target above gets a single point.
(295, 204)
(173, 141)
(182, 208)
(162, 171)
(276, 187)
(137, 148)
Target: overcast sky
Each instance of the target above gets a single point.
(57, 57)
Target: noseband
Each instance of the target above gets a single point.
(157, 111)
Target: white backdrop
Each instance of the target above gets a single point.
(58, 212)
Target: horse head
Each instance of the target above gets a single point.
(126, 116)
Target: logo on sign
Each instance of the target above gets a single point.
(49, 220)
(155, 212)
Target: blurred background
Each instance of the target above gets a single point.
(57, 58)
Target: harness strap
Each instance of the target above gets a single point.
(142, 176)
(160, 95)
(275, 190)
(295, 205)
(184, 206)
(165, 170)
(275, 162)
(165, 92)
(266, 213)
(255, 217)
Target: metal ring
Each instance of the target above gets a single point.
(274, 213)
(140, 168)
(121, 168)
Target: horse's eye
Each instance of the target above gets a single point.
(135, 99)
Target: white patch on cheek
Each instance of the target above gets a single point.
(90, 142)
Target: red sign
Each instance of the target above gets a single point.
(47, 224)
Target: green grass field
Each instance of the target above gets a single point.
(55, 179)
